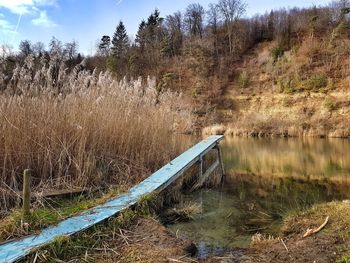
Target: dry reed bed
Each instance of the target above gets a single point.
(81, 129)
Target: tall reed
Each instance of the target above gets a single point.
(82, 129)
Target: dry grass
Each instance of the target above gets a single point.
(83, 129)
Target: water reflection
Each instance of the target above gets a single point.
(267, 180)
(301, 157)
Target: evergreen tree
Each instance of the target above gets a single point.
(154, 19)
(104, 45)
(153, 28)
(141, 35)
(120, 41)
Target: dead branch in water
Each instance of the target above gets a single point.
(310, 232)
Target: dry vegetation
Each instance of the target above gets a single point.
(305, 92)
(83, 129)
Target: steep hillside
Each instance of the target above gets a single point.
(304, 91)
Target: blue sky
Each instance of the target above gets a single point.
(87, 20)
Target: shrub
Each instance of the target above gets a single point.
(167, 81)
(286, 85)
(330, 104)
(243, 80)
(316, 82)
(287, 102)
(276, 53)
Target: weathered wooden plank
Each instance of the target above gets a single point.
(18, 249)
(58, 194)
(205, 176)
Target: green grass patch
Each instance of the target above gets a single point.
(243, 80)
(13, 226)
(90, 245)
(344, 259)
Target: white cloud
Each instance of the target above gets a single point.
(6, 25)
(43, 20)
(45, 2)
(25, 6)
(32, 8)
(17, 6)
(7, 31)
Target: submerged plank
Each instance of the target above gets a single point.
(18, 249)
(206, 175)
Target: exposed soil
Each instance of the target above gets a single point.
(313, 249)
(318, 249)
(147, 240)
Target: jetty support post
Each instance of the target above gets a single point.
(218, 148)
(200, 163)
(26, 193)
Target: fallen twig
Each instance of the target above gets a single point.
(310, 232)
(284, 244)
(228, 257)
(123, 236)
(175, 260)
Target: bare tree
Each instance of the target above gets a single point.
(25, 48)
(173, 24)
(213, 15)
(231, 10)
(194, 18)
(56, 47)
(71, 49)
(339, 10)
(5, 51)
(39, 48)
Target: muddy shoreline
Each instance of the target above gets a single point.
(289, 132)
(149, 241)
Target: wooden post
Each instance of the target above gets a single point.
(221, 160)
(26, 193)
(200, 167)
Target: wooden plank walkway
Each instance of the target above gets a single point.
(18, 249)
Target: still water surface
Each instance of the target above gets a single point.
(267, 179)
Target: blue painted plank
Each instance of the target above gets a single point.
(18, 249)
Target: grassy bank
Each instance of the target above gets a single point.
(331, 244)
(49, 213)
(137, 236)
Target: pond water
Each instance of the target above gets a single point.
(267, 179)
